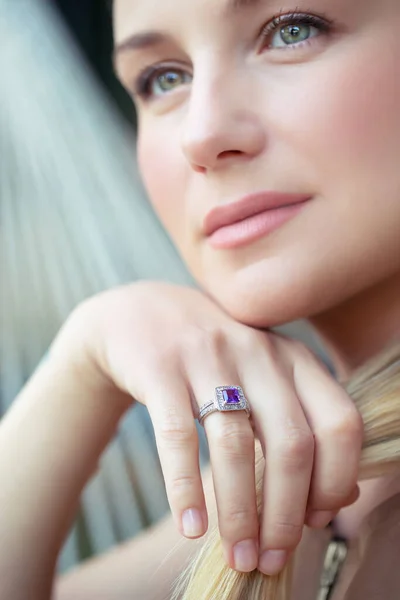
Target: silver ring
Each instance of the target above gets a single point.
(227, 398)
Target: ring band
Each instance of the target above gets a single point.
(227, 398)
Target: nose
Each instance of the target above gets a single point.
(220, 127)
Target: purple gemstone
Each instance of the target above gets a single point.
(231, 396)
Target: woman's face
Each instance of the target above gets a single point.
(241, 101)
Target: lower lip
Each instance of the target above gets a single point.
(249, 230)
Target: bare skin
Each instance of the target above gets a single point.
(341, 258)
(322, 121)
(73, 404)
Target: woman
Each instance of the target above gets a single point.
(267, 138)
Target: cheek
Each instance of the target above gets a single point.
(161, 170)
(346, 127)
(345, 113)
(351, 133)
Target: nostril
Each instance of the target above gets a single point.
(229, 153)
(199, 169)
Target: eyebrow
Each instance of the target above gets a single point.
(148, 39)
(140, 41)
(233, 6)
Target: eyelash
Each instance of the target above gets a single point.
(144, 79)
(321, 22)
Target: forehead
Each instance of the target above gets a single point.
(138, 15)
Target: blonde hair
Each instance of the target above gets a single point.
(375, 390)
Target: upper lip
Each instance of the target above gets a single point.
(246, 207)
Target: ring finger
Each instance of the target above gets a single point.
(232, 455)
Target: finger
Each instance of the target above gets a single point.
(289, 458)
(231, 445)
(338, 434)
(288, 445)
(169, 404)
(319, 519)
(232, 452)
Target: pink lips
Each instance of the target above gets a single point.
(254, 216)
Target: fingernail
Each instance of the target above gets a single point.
(245, 556)
(192, 523)
(319, 519)
(272, 561)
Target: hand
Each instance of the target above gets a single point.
(168, 347)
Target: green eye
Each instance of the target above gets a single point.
(168, 81)
(293, 30)
(292, 34)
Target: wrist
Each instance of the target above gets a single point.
(76, 353)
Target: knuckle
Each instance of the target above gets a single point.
(235, 439)
(306, 354)
(174, 431)
(198, 339)
(334, 496)
(238, 517)
(297, 351)
(296, 448)
(353, 425)
(346, 430)
(330, 499)
(181, 484)
(252, 341)
(284, 533)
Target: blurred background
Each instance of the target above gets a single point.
(90, 24)
(74, 220)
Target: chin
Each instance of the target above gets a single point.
(262, 297)
(297, 278)
(261, 311)
(263, 303)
